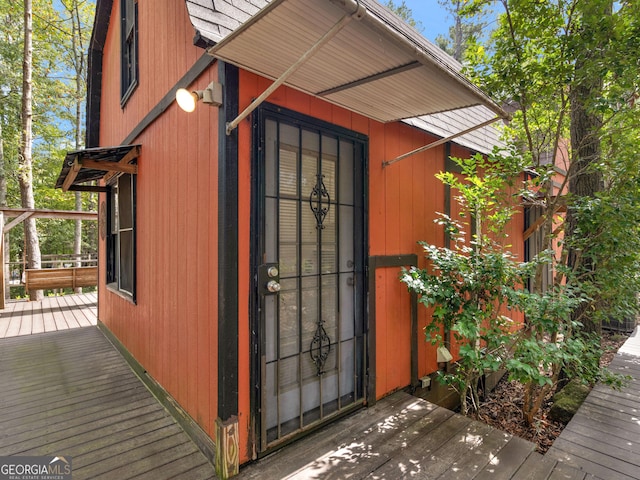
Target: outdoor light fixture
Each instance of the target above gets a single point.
(212, 95)
(443, 354)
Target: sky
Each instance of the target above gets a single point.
(433, 16)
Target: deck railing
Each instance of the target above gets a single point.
(16, 270)
(59, 271)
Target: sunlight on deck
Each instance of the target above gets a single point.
(51, 314)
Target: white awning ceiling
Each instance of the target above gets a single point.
(375, 65)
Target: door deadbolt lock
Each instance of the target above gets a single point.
(273, 286)
(268, 279)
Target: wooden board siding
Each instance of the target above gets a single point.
(403, 199)
(166, 52)
(171, 330)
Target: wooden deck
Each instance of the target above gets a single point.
(70, 393)
(49, 315)
(603, 438)
(405, 437)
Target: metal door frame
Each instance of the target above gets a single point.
(259, 117)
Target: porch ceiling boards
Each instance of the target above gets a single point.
(375, 64)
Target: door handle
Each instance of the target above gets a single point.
(273, 286)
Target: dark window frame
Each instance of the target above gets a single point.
(129, 49)
(121, 236)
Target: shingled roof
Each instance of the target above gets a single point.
(215, 19)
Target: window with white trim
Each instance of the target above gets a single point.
(121, 237)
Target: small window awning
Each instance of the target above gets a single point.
(92, 164)
(369, 61)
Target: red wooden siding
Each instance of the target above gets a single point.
(403, 199)
(172, 330)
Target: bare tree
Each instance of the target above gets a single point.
(3, 203)
(25, 169)
(77, 56)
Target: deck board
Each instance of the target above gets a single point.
(71, 393)
(603, 438)
(48, 315)
(535, 467)
(507, 460)
(414, 439)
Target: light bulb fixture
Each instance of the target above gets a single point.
(212, 95)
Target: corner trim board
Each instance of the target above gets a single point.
(227, 293)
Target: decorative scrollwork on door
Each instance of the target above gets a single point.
(319, 201)
(320, 348)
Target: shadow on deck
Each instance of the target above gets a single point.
(70, 393)
(603, 438)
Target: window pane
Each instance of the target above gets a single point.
(288, 171)
(128, 16)
(270, 168)
(346, 173)
(113, 210)
(125, 202)
(288, 327)
(126, 261)
(129, 48)
(329, 157)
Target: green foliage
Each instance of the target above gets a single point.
(467, 28)
(539, 55)
(61, 36)
(469, 287)
(468, 284)
(404, 13)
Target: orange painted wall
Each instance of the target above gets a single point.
(403, 199)
(172, 330)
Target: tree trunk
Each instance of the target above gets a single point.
(585, 128)
(25, 169)
(458, 46)
(5, 238)
(79, 63)
(77, 237)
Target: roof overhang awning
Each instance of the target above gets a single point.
(92, 164)
(352, 53)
